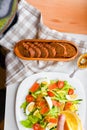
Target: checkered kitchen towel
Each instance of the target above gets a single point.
(29, 26)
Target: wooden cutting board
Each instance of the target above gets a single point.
(63, 15)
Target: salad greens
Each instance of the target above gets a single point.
(45, 101)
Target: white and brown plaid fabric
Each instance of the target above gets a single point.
(29, 26)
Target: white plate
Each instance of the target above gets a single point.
(26, 83)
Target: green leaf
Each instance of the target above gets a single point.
(44, 85)
(37, 114)
(33, 119)
(54, 128)
(34, 95)
(66, 87)
(53, 81)
(37, 92)
(24, 105)
(54, 111)
(59, 96)
(43, 123)
(77, 101)
(26, 123)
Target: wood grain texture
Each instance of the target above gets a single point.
(63, 15)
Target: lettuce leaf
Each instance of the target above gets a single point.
(54, 111)
(24, 105)
(33, 119)
(26, 123)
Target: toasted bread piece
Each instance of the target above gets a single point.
(28, 51)
(23, 51)
(59, 49)
(44, 51)
(37, 50)
(70, 49)
(51, 50)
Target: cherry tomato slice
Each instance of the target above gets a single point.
(60, 84)
(44, 110)
(53, 120)
(53, 86)
(71, 91)
(29, 98)
(37, 127)
(50, 93)
(56, 103)
(67, 105)
(34, 87)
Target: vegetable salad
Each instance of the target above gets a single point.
(45, 101)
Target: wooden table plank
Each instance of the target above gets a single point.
(63, 15)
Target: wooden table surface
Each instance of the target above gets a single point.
(63, 15)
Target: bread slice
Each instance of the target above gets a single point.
(51, 50)
(44, 51)
(38, 49)
(70, 49)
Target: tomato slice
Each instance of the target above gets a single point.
(29, 98)
(56, 103)
(37, 127)
(41, 103)
(71, 91)
(53, 86)
(60, 84)
(50, 94)
(53, 120)
(44, 110)
(67, 105)
(34, 87)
